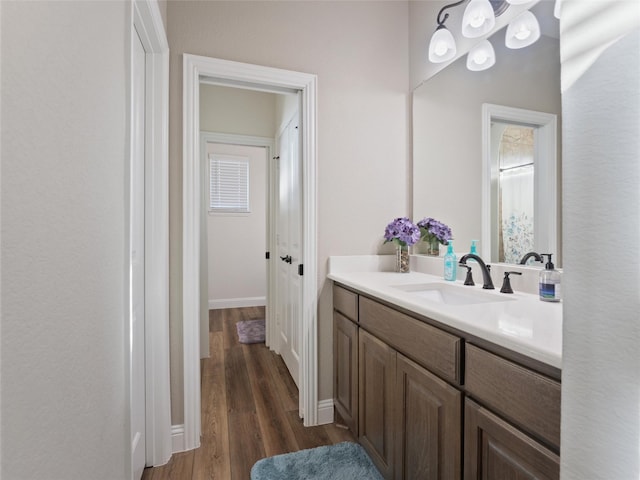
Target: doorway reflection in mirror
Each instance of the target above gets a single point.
(515, 161)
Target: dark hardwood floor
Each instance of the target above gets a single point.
(249, 409)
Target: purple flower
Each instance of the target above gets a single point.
(432, 228)
(402, 232)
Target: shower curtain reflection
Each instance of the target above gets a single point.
(516, 192)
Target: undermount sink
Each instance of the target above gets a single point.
(444, 293)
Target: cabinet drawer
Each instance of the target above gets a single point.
(429, 346)
(345, 302)
(528, 399)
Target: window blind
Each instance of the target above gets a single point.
(228, 183)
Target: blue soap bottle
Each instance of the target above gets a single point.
(450, 263)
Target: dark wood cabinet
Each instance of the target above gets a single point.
(427, 426)
(345, 358)
(377, 368)
(428, 404)
(496, 450)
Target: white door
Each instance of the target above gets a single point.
(289, 248)
(137, 283)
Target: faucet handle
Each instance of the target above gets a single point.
(469, 278)
(506, 283)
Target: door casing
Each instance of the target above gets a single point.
(146, 20)
(269, 145)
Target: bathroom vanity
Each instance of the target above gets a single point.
(447, 385)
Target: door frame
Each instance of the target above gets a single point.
(269, 145)
(265, 78)
(146, 20)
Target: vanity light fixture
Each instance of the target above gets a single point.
(479, 19)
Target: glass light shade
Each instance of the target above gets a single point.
(522, 31)
(442, 46)
(478, 19)
(481, 57)
(556, 9)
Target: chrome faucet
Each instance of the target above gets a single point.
(527, 256)
(486, 269)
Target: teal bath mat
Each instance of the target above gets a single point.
(343, 461)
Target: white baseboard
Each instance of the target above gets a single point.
(237, 302)
(325, 411)
(177, 438)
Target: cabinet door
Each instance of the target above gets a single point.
(345, 357)
(376, 381)
(428, 425)
(495, 450)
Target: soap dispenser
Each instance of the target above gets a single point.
(550, 290)
(450, 263)
(473, 249)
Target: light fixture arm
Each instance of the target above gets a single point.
(446, 15)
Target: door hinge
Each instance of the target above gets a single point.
(301, 269)
(266, 255)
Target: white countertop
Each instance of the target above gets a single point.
(524, 324)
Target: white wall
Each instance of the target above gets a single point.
(447, 129)
(359, 50)
(238, 111)
(237, 242)
(601, 106)
(64, 195)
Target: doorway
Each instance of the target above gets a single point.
(265, 79)
(236, 240)
(251, 201)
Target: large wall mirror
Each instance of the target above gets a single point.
(449, 110)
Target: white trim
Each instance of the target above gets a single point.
(233, 139)
(309, 358)
(147, 21)
(193, 68)
(191, 205)
(546, 181)
(325, 411)
(177, 438)
(237, 302)
(247, 85)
